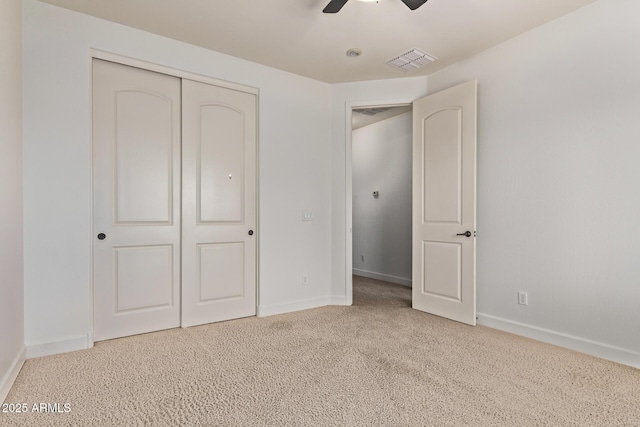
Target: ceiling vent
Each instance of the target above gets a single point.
(411, 60)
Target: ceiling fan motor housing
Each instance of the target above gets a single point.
(334, 6)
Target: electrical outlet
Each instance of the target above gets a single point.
(523, 299)
(305, 280)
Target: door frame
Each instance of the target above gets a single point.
(174, 72)
(350, 106)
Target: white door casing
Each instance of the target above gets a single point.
(219, 238)
(136, 200)
(444, 203)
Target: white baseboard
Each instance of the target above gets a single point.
(338, 300)
(380, 276)
(270, 310)
(582, 345)
(64, 345)
(7, 381)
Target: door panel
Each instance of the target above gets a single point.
(442, 179)
(221, 263)
(219, 204)
(143, 277)
(220, 164)
(441, 263)
(136, 195)
(143, 151)
(444, 203)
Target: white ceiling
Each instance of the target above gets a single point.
(294, 35)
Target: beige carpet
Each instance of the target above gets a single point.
(378, 363)
(370, 292)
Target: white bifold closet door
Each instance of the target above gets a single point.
(174, 190)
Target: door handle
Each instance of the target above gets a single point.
(101, 236)
(250, 232)
(466, 233)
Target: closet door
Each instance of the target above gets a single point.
(218, 204)
(136, 196)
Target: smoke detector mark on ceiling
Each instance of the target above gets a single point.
(411, 60)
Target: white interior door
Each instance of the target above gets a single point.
(136, 195)
(219, 204)
(444, 203)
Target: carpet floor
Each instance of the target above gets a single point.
(376, 363)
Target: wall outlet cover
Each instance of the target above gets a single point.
(523, 298)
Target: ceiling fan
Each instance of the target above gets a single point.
(335, 5)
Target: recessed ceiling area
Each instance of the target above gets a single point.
(295, 36)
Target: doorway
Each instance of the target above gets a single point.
(381, 203)
(443, 202)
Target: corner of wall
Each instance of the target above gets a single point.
(63, 345)
(7, 381)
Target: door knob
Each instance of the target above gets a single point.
(102, 236)
(250, 232)
(466, 233)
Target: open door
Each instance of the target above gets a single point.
(444, 203)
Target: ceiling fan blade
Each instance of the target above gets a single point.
(334, 6)
(414, 4)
